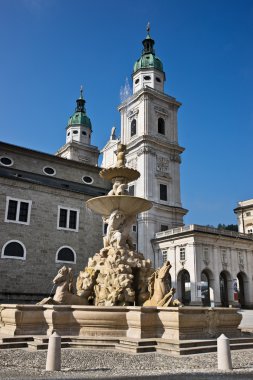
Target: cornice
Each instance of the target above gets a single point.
(156, 142)
(46, 156)
(147, 92)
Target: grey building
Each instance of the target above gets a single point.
(44, 222)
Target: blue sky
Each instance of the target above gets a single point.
(50, 47)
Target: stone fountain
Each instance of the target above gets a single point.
(119, 296)
(118, 275)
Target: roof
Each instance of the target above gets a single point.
(148, 58)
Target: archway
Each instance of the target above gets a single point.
(241, 289)
(184, 284)
(224, 289)
(205, 288)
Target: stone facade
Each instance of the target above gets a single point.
(210, 266)
(30, 277)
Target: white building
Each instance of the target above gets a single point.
(244, 213)
(149, 129)
(209, 266)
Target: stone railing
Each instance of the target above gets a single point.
(198, 228)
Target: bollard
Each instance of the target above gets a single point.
(54, 353)
(223, 353)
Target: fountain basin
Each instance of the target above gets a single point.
(128, 204)
(121, 321)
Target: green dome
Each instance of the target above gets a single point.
(147, 61)
(79, 118)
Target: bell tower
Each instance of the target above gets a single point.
(149, 129)
(148, 69)
(78, 136)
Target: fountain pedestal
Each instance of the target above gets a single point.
(135, 322)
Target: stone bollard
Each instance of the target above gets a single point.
(54, 353)
(223, 353)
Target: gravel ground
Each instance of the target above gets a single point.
(87, 364)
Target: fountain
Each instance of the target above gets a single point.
(119, 294)
(117, 275)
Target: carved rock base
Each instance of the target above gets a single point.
(116, 277)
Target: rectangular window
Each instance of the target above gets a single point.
(63, 218)
(17, 211)
(164, 227)
(134, 228)
(182, 254)
(248, 213)
(131, 190)
(164, 256)
(72, 219)
(68, 219)
(163, 192)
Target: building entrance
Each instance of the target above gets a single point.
(184, 284)
(205, 289)
(223, 289)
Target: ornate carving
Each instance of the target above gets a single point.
(132, 113)
(241, 267)
(118, 230)
(132, 163)
(162, 164)
(159, 292)
(64, 294)
(175, 157)
(162, 111)
(145, 150)
(83, 158)
(163, 175)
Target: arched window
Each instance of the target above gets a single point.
(65, 255)
(161, 126)
(14, 249)
(133, 127)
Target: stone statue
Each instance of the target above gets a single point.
(159, 292)
(119, 187)
(121, 153)
(118, 230)
(64, 294)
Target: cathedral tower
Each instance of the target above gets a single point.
(149, 129)
(78, 136)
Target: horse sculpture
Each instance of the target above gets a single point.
(159, 292)
(64, 294)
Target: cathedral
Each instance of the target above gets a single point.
(45, 224)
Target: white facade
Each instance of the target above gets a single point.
(110, 150)
(244, 213)
(209, 266)
(149, 130)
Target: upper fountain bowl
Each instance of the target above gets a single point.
(124, 172)
(128, 204)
